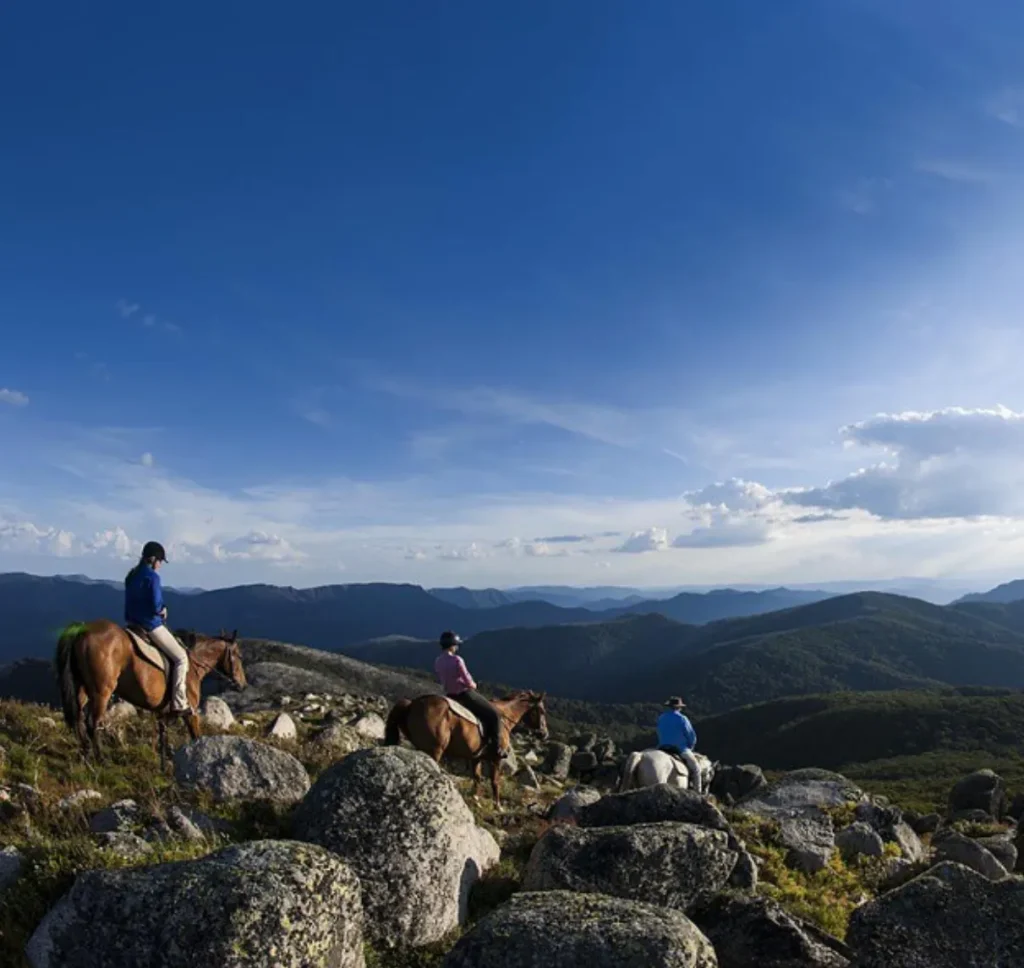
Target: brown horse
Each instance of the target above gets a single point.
(431, 726)
(97, 659)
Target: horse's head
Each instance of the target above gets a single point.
(536, 717)
(230, 662)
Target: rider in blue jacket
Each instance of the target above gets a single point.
(677, 737)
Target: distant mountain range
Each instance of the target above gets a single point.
(34, 609)
(864, 641)
(1011, 591)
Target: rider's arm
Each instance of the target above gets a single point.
(689, 733)
(156, 589)
(466, 677)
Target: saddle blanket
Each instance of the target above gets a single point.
(463, 712)
(149, 652)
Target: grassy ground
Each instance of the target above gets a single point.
(40, 751)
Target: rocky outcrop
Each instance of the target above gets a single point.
(733, 783)
(887, 821)
(656, 804)
(234, 768)
(399, 822)
(340, 739)
(799, 803)
(948, 917)
(242, 907)
(557, 761)
(566, 808)
(581, 931)
(119, 817)
(217, 714)
(860, 838)
(1002, 848)
(672, 865)
(952, 846)
(982, 790)
(755, 932)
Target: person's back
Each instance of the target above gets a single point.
(143, 598)
(675, 729)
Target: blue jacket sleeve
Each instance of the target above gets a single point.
(158, 594)
(689, 733)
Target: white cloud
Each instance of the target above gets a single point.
(26, 538)
(471, 552)
(146, 460)
(862, 198)
(639, 542)
(127, 309)
(257, 546)
(13, 397)
(734, 494)
(725, 531)
(949, 463)
(115, 543)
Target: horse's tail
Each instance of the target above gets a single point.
(67, 672)
(628, 769)
(395, 727)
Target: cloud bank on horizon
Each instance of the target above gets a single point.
(646, 313)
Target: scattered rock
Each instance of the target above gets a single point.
(127, 845)
(402, 826)
(925, 824)
(244, 906)
(604, 749)
(733, 783)
(952, 846)
(283, 727)
(655, 804)
(974, 815)
(510, 764)
(341, 739)
(11, 863)
(803, 789)
(176, 825)
(810, 840)
(948, 917)
(369, 725)
(79, 799)
(235, 768)
(581, 931)
(566, 808)
(756, 931)
(745, 874)
(903, 835)
(217, 714)
(879, 816)
(48, 721)
(1015, 810)
(557, 760)
(1000, 847)
(981, 790)
(672, 865)
(582, 763)
(119, 817)
(585, 743)
(860, 838)
(531, 758)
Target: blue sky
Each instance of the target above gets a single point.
(723, 292)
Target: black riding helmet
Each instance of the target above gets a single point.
(153, 549)
(448, 639)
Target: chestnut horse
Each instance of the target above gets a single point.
(431, 726)
(97, 659)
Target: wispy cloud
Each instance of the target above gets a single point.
(127, 309)
(863, 197)
(149, 320)
(13, 398)
(1007, 106)
(965, 172)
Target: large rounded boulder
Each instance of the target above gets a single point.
(399, 822)
(948, 917)
(655, 804)
(673, 865)
(582, 931)
(247, 906)
(234, 768)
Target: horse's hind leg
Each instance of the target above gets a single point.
(80, 727)
(99, 711)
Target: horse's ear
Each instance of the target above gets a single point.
(234, 636)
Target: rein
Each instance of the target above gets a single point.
(207, 669)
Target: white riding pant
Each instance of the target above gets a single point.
(173, 649)
(693, 768)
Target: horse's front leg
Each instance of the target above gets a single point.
(476, 767)
(161, 726)
(496, 782)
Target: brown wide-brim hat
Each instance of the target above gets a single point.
(676, 703)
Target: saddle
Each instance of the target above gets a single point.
(146, 649)
(462, 712)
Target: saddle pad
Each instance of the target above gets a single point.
(149, 652)
(463, 712)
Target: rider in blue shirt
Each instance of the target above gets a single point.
(677, 737)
